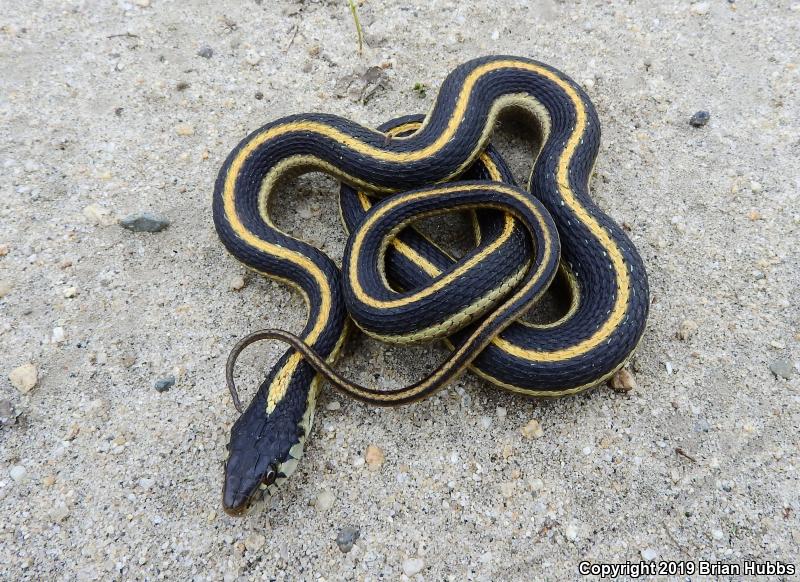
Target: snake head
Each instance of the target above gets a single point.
(264, 448)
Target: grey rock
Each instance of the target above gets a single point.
(206, 52)
(8, 415)
(144, 222)
(700, 118)
(347, 537)
(782, 368)
(164, 384)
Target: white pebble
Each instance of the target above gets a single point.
(413, 566)
(96, 214)
(333, 405)
(59, 512)
(536, 484)
(252, 58)
(700, 8)
(19, 474)
(70, 292)
(324, 500)
(717, 534)
(58, 335)
(501, 412)
(486, 421)
(236, 283)
(649, 554)
(571, 532)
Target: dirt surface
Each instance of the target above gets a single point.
(114, 108)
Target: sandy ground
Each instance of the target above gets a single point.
(107, 109)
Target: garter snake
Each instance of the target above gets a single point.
(397, 285)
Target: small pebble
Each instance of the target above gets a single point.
(571, 533)
(623, 381)
(59, 512)
(252, 58)
(486, 421)
(324, 500)
(49, 481)
(8, 415)
(259, 95)
(58, 336)
(782, 368)
(4, 248)
(532, 430)
(700, 8)
(700, 118)
(5, 288)
(144, 222)
(18, 473)
(96, 214)
(507, 489)
(649, 554)
(347, 537)
(254, 542)
(164, 384)
(333, 405)
(142, 3)
(184, 129)
(206, 52)
(98, 408)
(237, 283)
(717, 534)
(756, 187)
(374, 457)
(24, 378)
(687, 329)
(413, 566)
(70, 292)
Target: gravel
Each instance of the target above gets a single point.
(93, 128)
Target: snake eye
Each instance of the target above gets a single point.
(270, 476)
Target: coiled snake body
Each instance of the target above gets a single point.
(397, 285)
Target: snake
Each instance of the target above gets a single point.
(397, 285)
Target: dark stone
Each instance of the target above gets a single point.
(164, 384)
(347, 537)
(700, 118)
